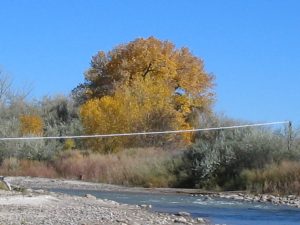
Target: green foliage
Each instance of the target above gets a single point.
(53, 116)
(217, 160)
(145, 85)
(69, 144)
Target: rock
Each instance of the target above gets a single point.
(144, 206)
(122, 221)
(256, 198)
(292, 197)
(135, 223)
(206, 198)
(90, 196)
(4, 184)
(40, 191)
(263, 198)
(200, 220)
(184, 214)
(55, 208)
(180, 220)
(28, 190)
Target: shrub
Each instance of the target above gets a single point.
(216, 161)
(31, 125)
(132, 167)
(16, 167)
(69, 144)
(282, 178)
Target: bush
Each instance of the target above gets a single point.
(282, 178)
(16, 167)
(217, 159)
(133, 167)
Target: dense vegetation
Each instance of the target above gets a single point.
(146, 85)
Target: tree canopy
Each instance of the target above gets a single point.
(145, 85)
(31, 125)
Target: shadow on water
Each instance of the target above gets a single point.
(217, 210)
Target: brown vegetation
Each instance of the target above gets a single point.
(132, 167)
(24, 167)
(283, 178)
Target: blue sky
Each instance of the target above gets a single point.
(252, 47)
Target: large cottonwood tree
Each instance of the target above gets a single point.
(145, 85)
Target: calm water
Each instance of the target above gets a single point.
(217, 210)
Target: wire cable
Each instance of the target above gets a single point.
(143, 133)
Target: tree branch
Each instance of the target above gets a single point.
(148, 69)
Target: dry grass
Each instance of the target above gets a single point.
(138, 167)
(16, 167)
(279, 179)
(146, 167)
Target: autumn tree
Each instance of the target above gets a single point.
(31, 125)
(145, 85)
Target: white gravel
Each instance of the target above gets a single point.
(39, 207)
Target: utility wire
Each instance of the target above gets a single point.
(142, 133)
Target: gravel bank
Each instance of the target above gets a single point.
(44, 183)
(41, 207)
(289, 200)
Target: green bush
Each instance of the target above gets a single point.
(217, 159)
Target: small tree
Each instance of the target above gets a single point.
(31, 125)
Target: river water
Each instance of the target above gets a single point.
(216, 210)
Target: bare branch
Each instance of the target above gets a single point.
(5, 86)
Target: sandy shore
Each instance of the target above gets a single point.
(42, 207)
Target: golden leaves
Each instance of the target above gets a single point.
(145, 106)
(148, 58)
(31, 125)
(145, 85)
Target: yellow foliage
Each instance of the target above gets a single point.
(69, 144)
(31, 125)
(145, 85)
(141, 107)
(150, 58)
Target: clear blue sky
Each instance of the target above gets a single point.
(252, 47)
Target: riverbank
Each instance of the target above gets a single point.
(289, 200)
(35, 204)
(45, 183)
(42, 207)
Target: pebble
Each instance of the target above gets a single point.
(180, 220)
(185, 214)
(90, 196)
(144, 206)
(290, 200)
(69, 210)
(201, 220)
